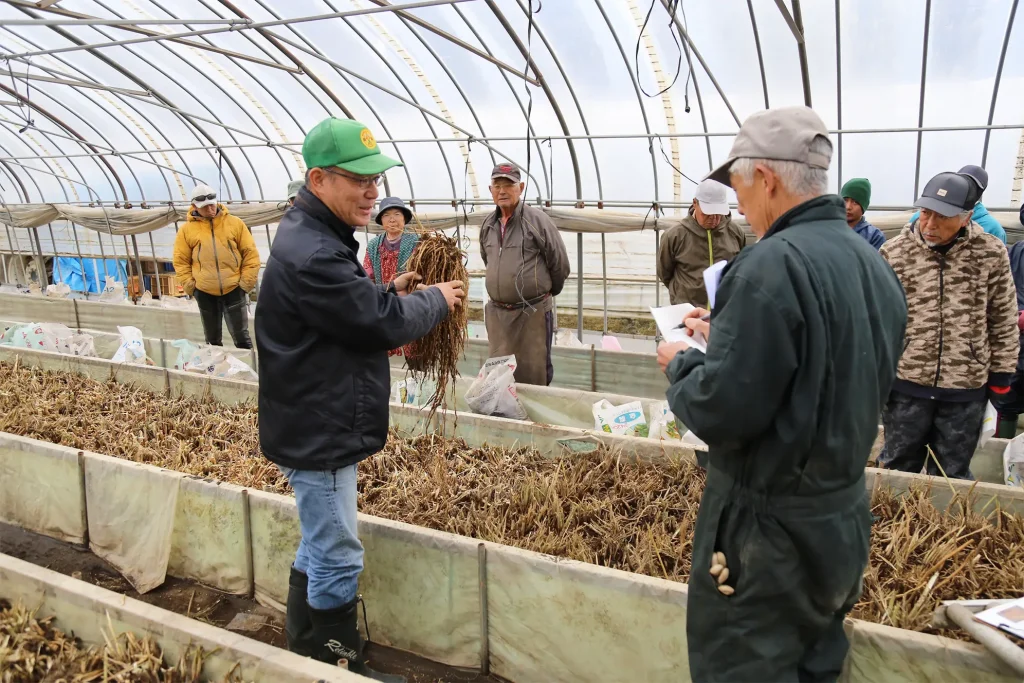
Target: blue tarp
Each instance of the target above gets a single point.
(69, 271)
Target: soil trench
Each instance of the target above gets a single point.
(206, 604)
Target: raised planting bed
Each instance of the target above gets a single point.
(636, 516)
(56, 628)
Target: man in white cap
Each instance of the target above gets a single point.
(216, 262)
(705, 236)
(803, 345)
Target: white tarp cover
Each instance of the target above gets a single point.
(421, 590)
(208, 543)
(563, 621)
(41, 488)
(131, 517)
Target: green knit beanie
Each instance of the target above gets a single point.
(859, 190)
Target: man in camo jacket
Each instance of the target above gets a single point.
(962, 340)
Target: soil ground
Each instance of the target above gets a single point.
(206, 604)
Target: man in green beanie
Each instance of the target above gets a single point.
(323, 330)
(857, 193)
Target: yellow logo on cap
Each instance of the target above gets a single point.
(367, 139)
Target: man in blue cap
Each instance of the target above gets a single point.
(323, 330)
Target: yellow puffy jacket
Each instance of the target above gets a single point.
(215, 255)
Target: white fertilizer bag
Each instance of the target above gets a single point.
(214, 361)
(49, 337)
(663, 422)
(186, 350)
(132, 349)
(1013, 462)
(626, 420)
(493, 392)
(413, 392)
(566, 337)
(58, 291)
(988, 424)
(113, 292)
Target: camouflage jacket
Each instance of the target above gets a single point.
(961, 310)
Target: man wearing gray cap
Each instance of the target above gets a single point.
(526, 266)
(293, 190)
(802, 350)
(705, 236)
(962, 335)
(980, 215)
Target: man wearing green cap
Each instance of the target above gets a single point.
(857, 194)
(323, 330)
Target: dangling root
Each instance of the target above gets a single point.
(437, 259)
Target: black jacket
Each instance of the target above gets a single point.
(323, 330)
(806, 335)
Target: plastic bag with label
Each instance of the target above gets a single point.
(413, 392)
(132, 349)
(663, 422)
(113, 291)
(988, 424)
(214, 361)
(186, 350)
(626, 420)
(49, 337)
(493, 392)
(566, 337)
(1013, 462)
(58, 291)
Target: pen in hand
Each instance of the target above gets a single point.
(682, 326)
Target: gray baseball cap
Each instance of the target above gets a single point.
(783, 134)
(979, 175)
(294, 187)
(947, 194)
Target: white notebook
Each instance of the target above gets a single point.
(669, 318)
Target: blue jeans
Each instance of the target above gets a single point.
(330, 553)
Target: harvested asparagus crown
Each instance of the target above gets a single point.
(720, 570)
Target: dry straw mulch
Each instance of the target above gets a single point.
(34, 650)
(597, 508)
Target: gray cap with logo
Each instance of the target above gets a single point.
(783, 134)
(947, 194)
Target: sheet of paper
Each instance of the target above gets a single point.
(669, 318)
(1007, 617)
(712, 276)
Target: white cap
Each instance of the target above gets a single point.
(712, 197)
(203, 191)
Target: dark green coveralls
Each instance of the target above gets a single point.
(806, 335)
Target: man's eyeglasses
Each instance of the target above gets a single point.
(204, 198)
(364, 182)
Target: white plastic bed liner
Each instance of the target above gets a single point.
(547, 618)
(621, 372)
(88, 611)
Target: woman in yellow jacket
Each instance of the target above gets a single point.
(216, 261)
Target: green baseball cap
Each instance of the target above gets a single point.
(347, 144)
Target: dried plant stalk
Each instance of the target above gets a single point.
(33, 650)
(438, 259)
(596, 508)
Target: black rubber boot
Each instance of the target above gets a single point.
(298, 625)
(335, 636)
(236, 313)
